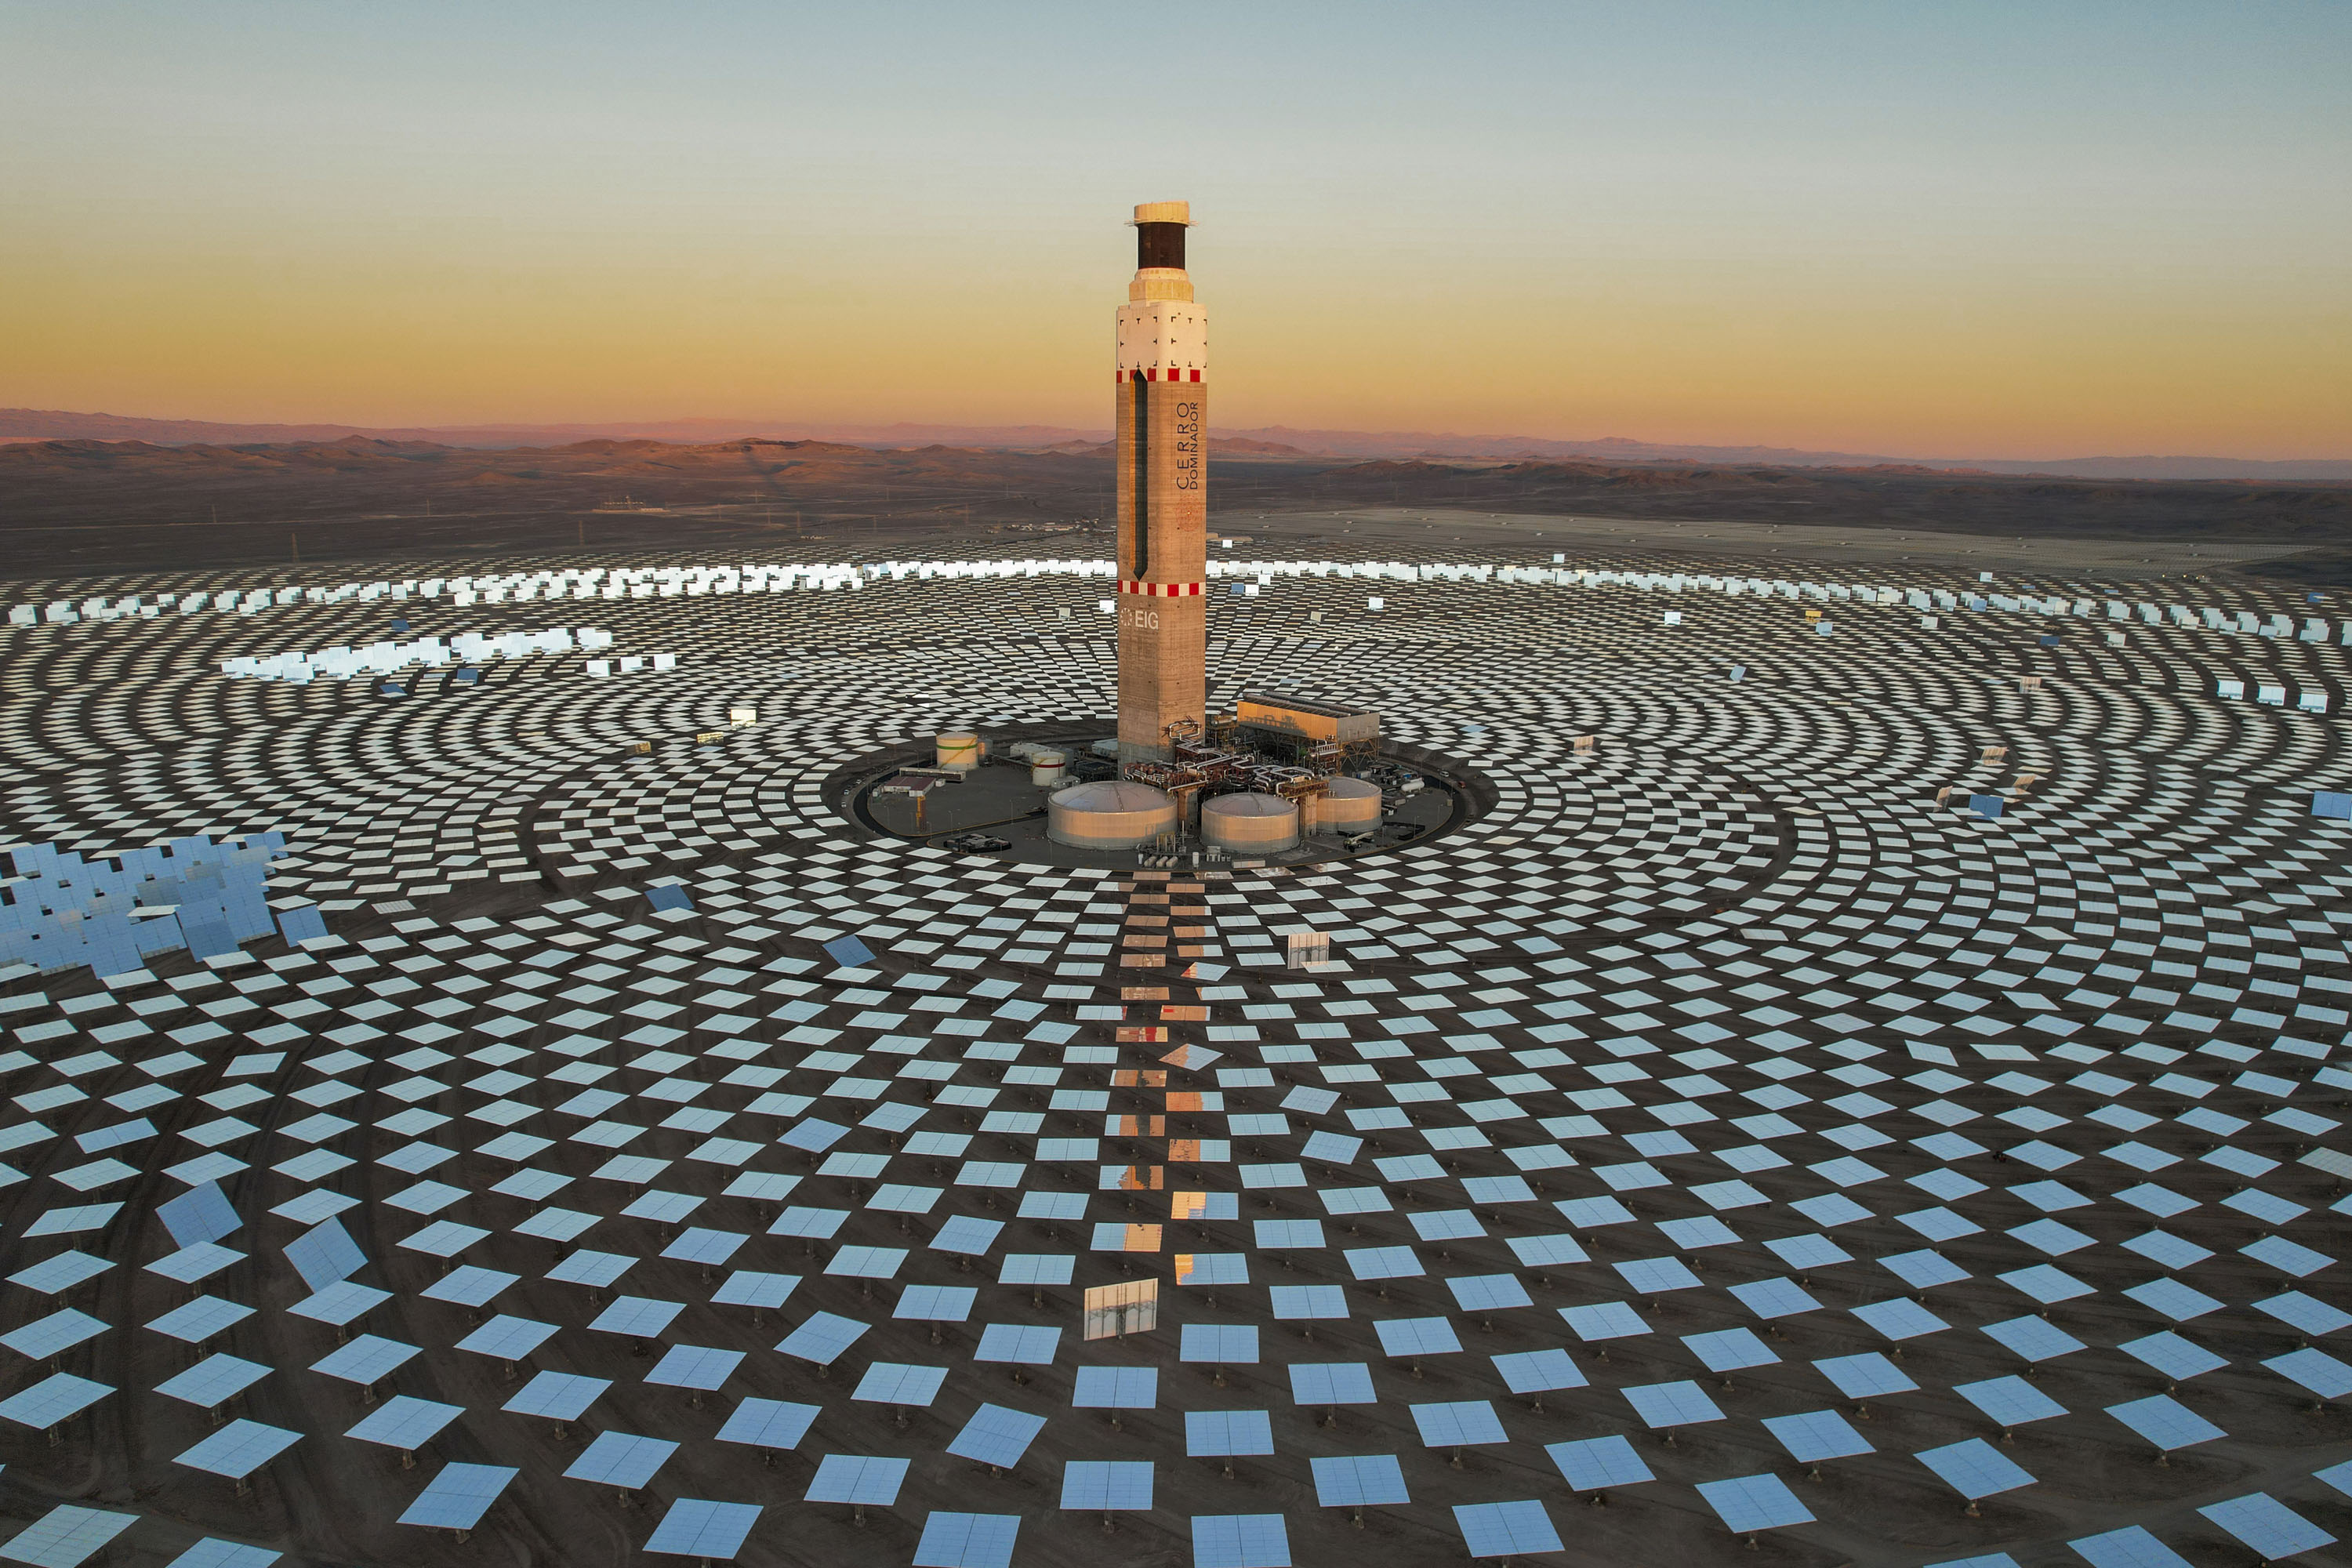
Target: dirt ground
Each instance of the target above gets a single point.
(79, 508)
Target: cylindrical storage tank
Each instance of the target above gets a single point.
(959, 748)
(1051, 769)
(1249, 824)
(1348, 805)
(1110, 814)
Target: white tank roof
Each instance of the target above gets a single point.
(1247, 805)
(1110, 795)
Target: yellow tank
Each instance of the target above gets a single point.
(959, 749)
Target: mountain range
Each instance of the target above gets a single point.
(41, 424)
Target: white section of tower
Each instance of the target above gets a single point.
(1163, 335)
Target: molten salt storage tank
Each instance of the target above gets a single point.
(1049, 769)
(1110, 814)
(1346, 806)
(959, 748)
(1249, 824)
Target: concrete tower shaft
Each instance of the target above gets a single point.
(1161, 420)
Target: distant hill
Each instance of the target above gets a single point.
(1226, 445)
(79, 505)
(55, 424)
(1617, 449)
(1275, 440)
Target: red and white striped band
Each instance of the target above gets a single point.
(1164, 590)
(1151, 374)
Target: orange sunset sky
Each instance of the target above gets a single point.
(1960, 230)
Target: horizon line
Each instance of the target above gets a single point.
(756, 426)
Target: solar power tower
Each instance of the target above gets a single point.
(1163, 494)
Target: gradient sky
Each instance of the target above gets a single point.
(1961, 229)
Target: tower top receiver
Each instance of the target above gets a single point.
(1163, 212)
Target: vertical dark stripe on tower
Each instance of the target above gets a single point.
(1142, 476)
